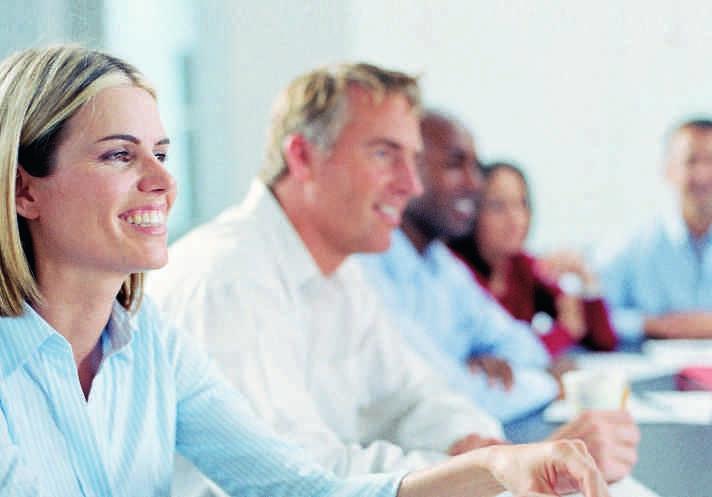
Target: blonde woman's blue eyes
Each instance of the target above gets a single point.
(116, 155)
(125, 156)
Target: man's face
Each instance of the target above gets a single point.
(361, 186)
(451, 178)
(690, 169)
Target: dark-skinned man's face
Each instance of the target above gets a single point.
(452, 181)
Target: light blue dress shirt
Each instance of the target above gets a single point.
(154, 393)
(659, 270)
(448, 317)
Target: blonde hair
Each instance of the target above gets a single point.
(315, 105)
(40, 90)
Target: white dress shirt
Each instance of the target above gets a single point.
(317, 357)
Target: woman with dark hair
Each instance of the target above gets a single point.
(558, 294)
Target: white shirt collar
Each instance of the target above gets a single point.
(282, 240)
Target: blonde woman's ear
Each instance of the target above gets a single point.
(25, 201)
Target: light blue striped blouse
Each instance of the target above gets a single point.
(154, 392)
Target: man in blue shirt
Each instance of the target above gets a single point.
(446, 315)
(440, 306)
(659, 284)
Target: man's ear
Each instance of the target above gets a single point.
(673, 159)
(299, 155)
(671, 171)
(25, 199)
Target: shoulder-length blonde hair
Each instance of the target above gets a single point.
(40, 90)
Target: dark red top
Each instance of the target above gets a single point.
(527, 294)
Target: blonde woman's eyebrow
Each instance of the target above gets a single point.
(131, 138)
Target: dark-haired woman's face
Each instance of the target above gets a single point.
(105, 205)
(503, 217)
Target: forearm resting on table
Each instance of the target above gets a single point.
(693, 324)
(550, 468)
(465, 475)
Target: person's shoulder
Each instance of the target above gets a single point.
(354, 273)
(220, 250)
(147, 317)
(234, 231)
(446, 261)
(146, 325)
(395, 263)
(634, 251)
(158, 337)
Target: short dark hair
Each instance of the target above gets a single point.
(700, 123)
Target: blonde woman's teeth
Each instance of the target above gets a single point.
(146, 218)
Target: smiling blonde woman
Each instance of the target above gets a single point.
(96, 392)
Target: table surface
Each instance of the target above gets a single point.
(673, 460)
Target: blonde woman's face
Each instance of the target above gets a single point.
(104, 206)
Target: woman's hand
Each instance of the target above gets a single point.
(556, 264)
(535, 470)
(611, 437)
(547, 469)
(497, 370)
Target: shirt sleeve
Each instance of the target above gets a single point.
(601, 335)
(599, 331)
(531, 388)
(494, 331)
(558, 339)
(615, 281)
(487, 327)
(410, 403)
(219, 433)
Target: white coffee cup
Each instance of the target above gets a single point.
(586, 389)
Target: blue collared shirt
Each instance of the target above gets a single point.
(660, 270)
(154, 393)
(448, 317)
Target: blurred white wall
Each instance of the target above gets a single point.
(245, 53)
(25, 23)
(158, 37)
(579, 93)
